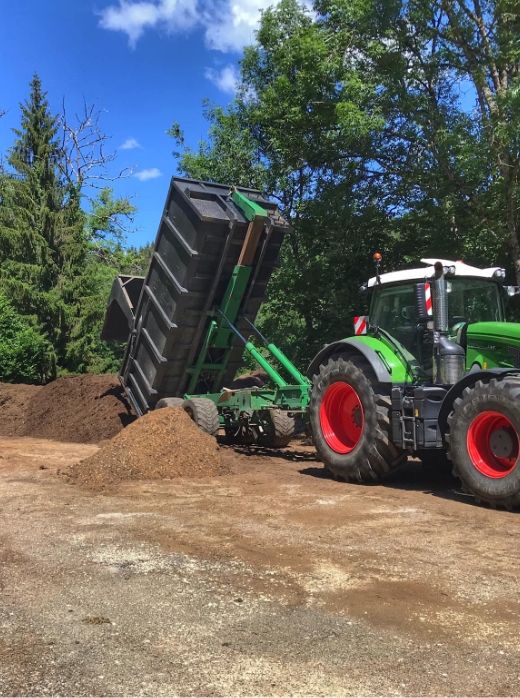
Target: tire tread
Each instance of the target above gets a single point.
(508, 384)
(383, 457)
(205, 414)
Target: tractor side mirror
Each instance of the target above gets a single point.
(423, 302)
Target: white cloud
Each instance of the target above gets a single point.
(130, 144)
(228, 25)
(133, 18)
(233, 26)
(145, 175)
(226, 79)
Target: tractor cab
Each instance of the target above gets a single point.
(404, 303)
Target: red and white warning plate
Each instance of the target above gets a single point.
(360, 324)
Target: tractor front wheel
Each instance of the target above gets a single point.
(484, 441)
(350, 421)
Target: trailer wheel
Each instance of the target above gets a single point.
(279, 430)
(169, 402)
(484, 441)
(204, 413)
(350, 421)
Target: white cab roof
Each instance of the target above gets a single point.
(428, 271)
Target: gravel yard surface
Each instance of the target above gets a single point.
(269, 580)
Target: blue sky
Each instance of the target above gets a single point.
(146, 64)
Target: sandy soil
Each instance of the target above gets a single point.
(272, 580)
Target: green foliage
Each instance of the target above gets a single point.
(86, 353)
(32, 218)
(106, 223)
(361, 124)
(25, 355)
(390, 126)
(307, 122)
(60, 249)
(230, 156)
(447, 75)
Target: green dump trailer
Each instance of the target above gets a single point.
(187, 323)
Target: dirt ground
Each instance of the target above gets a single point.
(270, 580)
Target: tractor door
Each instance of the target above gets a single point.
(393, 310)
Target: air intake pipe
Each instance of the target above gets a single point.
(449, 358)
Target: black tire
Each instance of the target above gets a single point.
(472, 450)
(169, 402)
(374, 454)
(279, 430)
(204, 413)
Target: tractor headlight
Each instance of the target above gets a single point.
(499, 274)
(449, 271)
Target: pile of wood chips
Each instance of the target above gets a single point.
(161, 444)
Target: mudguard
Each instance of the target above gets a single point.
(484, 375)
(381, 371)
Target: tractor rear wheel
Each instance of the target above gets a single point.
(350, 421)
(279, 430)
(169, 402)
(484, 441)
(204, 413)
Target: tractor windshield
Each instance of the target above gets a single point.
(469, 300)
(473, 300)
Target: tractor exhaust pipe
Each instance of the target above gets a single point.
(449, 358)
(440, 300)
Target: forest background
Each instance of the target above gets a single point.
(375, 125)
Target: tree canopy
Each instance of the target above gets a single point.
(385, 126)
(60, 247)
(390, 126)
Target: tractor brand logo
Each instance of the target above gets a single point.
(489, 347)
(360, 324)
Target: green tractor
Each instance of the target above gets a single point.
(433, 372)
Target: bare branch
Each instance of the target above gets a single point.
(84, 145)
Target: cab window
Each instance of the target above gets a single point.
(473, 300)
(393, 310)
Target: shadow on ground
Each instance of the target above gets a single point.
(412, 477)
(263, 452)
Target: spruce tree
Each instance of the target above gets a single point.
(41, 242)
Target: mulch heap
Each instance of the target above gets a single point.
(161, 444)
(82, 409)
(15, 402)
(254, 379)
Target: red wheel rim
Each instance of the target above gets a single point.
(341, 417)
(493, 444)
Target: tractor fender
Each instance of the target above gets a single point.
(354, 346)
(484, 375)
